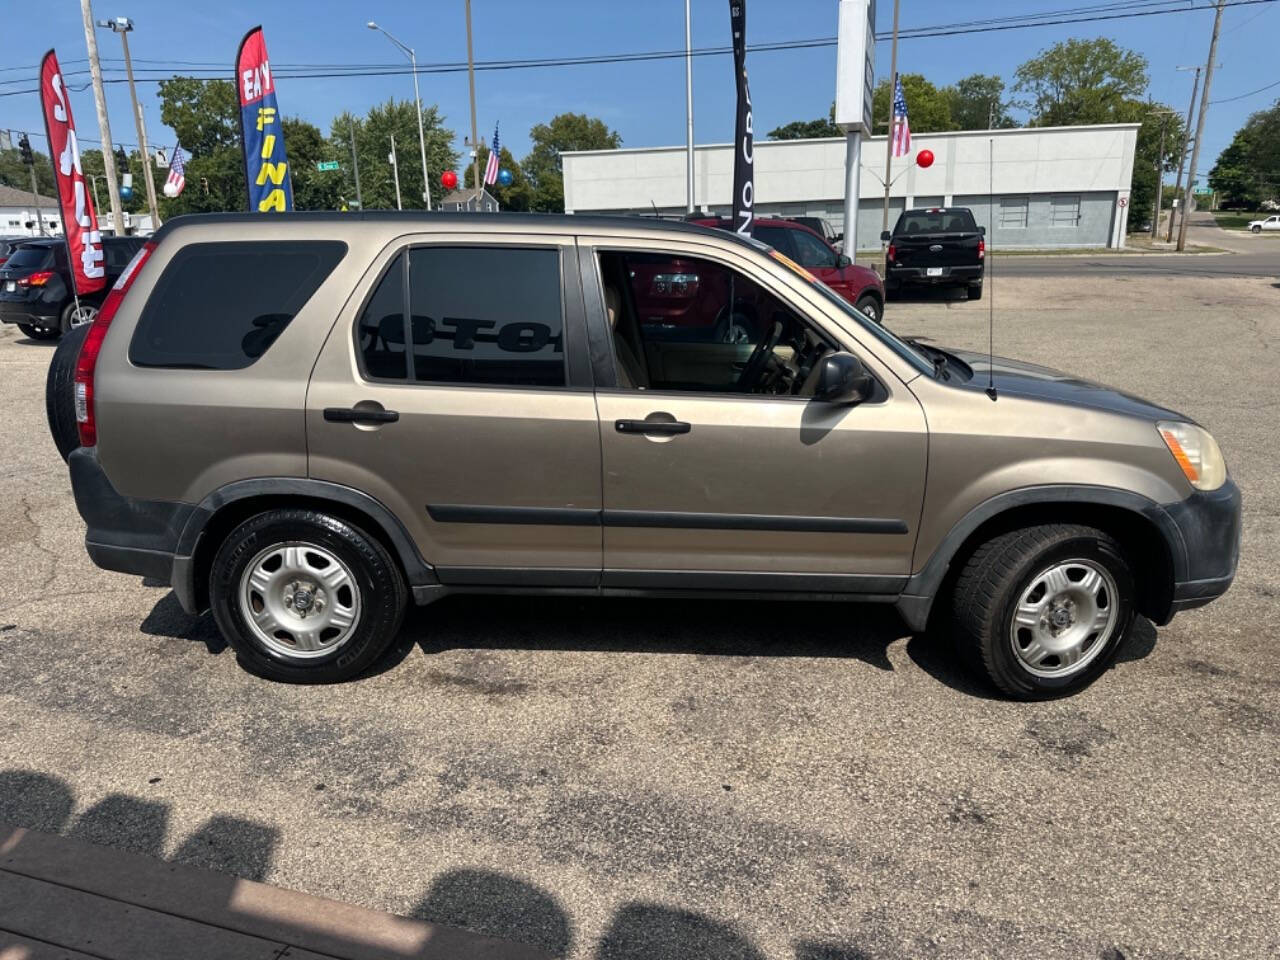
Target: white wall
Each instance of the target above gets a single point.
(1026, 160)
(13, 220)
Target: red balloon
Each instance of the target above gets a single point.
(925, 158)
(449, 179)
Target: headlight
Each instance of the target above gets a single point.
(1197, 453)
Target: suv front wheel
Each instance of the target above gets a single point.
(1041, 611)
(306, 597)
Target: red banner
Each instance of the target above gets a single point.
(79, 223)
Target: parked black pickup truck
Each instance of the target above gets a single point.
(937, 245)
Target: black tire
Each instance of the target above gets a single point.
(742, 327)
(39, 333)
(975, 291)
(871, 307)
(59, 392)
(67, 320)
(382, 594)
(993, 581)
(1256, 229)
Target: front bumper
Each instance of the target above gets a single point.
(1209, 523)
(126, 534)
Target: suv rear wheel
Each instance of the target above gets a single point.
(305, 597)
(77, 314)
(39, 333)
(1041, 612)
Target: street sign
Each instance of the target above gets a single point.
(327, 165)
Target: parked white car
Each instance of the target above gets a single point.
(1271, 223)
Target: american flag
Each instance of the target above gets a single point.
(901, 129)
(177, 178)
(491, 168)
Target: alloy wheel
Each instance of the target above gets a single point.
(299, 600)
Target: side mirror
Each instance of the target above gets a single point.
(884, 236)
(844, 380)
(838, 238)
(842, 261)
(982, 231)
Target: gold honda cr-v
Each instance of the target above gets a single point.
(303, 421)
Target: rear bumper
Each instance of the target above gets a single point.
(128, 535)
(965, 274)
(37, 313)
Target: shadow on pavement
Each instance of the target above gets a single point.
(736, 628)
(127, 892)
(168, 619)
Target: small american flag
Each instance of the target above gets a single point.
(901, 129)
(177, 178)
(491, 168)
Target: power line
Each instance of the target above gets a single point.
(1126, 9)
(1249, 94)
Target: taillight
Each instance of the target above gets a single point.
(893, 253)
(37, 279)
(87, 362)
(674, 285)
(982, 248)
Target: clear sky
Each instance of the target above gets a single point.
(644, 101)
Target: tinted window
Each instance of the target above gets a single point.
(380, 331)
(219, 306)
(936, 221)
(30, 258)
(777, 237)
(119, 254)
(486, 315)
(812, 252)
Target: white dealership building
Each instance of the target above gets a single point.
(1032, 187)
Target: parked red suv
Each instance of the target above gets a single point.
(861, 286)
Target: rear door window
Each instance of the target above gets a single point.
(220, 306)
(30, 258)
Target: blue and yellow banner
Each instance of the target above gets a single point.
(266, 167)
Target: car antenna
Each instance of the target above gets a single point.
(655, 208)
(991, 307)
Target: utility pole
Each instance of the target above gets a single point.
(123, 26)
(1155, 218)
(475, 143)
(104, 125)
(1189, 201)
(29, 160)
(1182, 157)
(688, 109)
(355, 163)
(888, 146)
(395, 171)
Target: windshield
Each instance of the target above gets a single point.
(936, 221)
(29, 258)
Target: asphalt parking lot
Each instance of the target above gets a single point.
(627, 779)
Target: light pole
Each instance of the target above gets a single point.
(122, 26)
(1182, 157)
(417, 99)
(395, 170)
(475, 142)
(94, 178)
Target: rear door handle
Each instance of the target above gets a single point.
(651, 426)
(358, 415)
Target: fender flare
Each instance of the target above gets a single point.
(922, 588)
(417, 570)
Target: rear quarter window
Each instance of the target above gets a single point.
(220, 306)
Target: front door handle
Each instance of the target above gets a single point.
(359, 415)
(669, 427)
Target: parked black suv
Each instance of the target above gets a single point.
(35, 285)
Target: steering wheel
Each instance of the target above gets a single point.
(755, 363)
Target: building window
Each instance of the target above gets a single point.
(1013, 213)
(1064, 210)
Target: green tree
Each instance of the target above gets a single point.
(205, 115)
(373, 135)
(978, 103)
(928, 106)
(1081, 81)
(312, 189)
(14, 173)
(542, 167)
(1147, 159)
(808, 129)
(518, 196)
(1248, 170)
